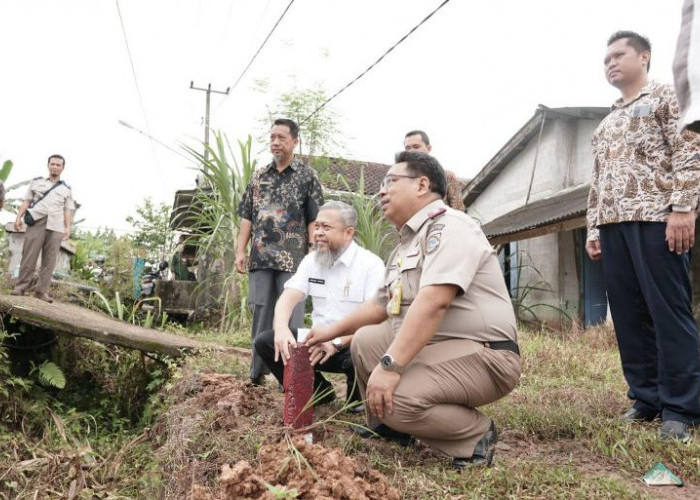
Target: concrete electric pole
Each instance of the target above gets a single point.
(208, 90)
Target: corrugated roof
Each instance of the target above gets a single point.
(562, 206)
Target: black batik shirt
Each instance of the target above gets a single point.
(280, 206)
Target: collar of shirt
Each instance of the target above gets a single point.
(414, 223)
(647, 89)
(348, 255)
(294, 164)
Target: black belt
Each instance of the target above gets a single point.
(505, 345)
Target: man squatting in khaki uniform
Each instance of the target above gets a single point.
(443, 335)
(52, 213)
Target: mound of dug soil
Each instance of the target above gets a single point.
(215, 420)
(318, 473)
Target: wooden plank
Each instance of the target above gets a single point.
(557, 227)
(80, 322)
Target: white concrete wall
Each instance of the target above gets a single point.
(16, 244)
(583, 157)
(569, 283)
(548, 278)
(564, 160)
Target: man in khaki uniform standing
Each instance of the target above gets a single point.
(49, 202)
(443, 338)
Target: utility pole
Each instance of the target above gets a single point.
(208, 90)
(208, 295)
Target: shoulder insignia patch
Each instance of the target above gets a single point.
(433, 243)
(436, 227)
(437, 212)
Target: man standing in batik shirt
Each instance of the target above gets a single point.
(641, 222)
(277, 210)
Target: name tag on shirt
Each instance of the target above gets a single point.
(641, 110)
(317, 281)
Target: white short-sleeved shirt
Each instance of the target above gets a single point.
(53, 206)
(336, 292)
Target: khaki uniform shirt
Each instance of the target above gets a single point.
(51, 206)
(642, 163)
(441, 246)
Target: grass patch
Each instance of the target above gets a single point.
(560, 434)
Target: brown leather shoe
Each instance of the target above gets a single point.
(44, 296)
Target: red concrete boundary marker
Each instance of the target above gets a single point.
(298, 388)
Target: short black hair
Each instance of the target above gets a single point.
(423, 136)
(56, 156)
(293, 127)
(423, 164)
(638, 42)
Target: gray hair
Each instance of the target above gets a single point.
(347, 213)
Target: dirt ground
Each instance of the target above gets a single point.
(212, 431)
(239, 413)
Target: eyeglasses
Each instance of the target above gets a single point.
(391, 178)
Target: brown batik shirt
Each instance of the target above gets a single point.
(642, 164)
(280, 206)
(453, 195)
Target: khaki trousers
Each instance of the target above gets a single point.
(38, 240)
(439, 391)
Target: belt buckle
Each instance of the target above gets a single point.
(487, 345)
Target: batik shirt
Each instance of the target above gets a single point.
(280, 206)
(642, 165)
(453, 195)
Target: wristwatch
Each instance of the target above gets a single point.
(389, 364)
(338, 344)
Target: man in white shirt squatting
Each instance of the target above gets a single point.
(339, 276)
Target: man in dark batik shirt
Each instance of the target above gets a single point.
(278, 207)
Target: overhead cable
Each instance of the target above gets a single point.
(138, 88)
(323, 104)
(258, 51)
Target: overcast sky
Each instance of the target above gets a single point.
(471, 77)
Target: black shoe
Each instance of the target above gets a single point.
(673, 429)
(483, 451)
(259, 380)
(324, 394)
(384, 432)
(355, 407)
(637, 415)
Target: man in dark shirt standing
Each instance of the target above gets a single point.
(277, 210)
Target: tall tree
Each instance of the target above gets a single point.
(320, 134)
(153, 233)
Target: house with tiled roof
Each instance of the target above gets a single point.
(339, 175)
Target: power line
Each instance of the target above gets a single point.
(322, 105)
(138, 88)
(149, 136)
(133, 68)
(258, 51)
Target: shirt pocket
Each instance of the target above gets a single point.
(353, 293)
(410, 277)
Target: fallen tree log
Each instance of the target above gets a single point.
(70, 319)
